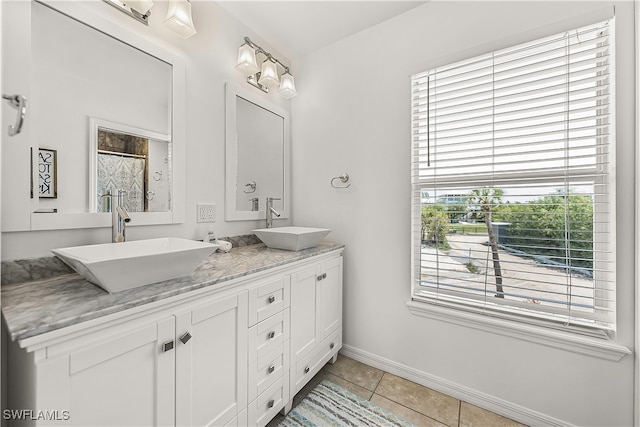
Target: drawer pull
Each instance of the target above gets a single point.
(271, 334)
(271, 369)
(331, 346)
(306, 369)
(167, 346)
(185, 338)
(271, 299)
(271, 403)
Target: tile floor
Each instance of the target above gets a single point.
(415, 403)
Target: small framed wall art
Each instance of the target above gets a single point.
(47, 173)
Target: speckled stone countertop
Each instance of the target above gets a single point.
(43, 294)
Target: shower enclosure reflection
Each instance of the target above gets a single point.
(130, 159)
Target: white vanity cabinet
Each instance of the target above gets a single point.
(187, 368)
(229, 355)
(316, 319)
(269, 320)
(115, 379)
(211, 362)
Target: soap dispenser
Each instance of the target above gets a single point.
(210, 237)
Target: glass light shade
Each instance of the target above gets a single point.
(140, 6)
(269, 74)
(287, 86)
(247, 60)
(179, 18)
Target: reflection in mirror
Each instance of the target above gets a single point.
(130, 159)
(260, 155)
(257, 156)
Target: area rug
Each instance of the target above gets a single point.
(331, 405)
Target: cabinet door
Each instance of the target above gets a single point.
(305, 330)
(211, 362)
(330, 296)
(121, 381)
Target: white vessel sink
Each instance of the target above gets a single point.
(119, 266)
(291, 238)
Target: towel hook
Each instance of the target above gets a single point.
(344, 178)
(18, 102)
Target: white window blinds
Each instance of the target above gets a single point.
(512, 173)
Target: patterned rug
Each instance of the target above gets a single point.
(331, 405)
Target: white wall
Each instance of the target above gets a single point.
(353, 115)
(210, 58)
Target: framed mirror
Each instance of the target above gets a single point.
(84, 65)
(257, 156)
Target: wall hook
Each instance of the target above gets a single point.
(18, 102)
(344, 178)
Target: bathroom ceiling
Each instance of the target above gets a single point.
(296, 28)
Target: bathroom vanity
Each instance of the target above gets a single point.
(230, 344)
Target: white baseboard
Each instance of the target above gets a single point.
(491, 403)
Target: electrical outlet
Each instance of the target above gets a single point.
(206, 212)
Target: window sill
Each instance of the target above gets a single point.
(594, 347)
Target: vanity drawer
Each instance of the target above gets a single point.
(267, 336)
(268, 299)
(268, 370)
(266, 406)
(311, 364)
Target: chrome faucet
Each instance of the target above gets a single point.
(271, 211)
(254, 204)
(119, 215)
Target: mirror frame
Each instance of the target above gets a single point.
(177, 130)
(231, 152)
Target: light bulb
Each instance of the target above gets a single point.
(287, 86)
(247, 60)
(179, 18)
(269, 74)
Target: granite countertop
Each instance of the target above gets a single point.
(36, 304)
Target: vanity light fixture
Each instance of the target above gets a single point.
(267, 77)
(137, 9)
(179, 18)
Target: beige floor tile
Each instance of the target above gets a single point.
(356, 372)
(428, 402)
(408, 414)
(347, 385)
(473, 416)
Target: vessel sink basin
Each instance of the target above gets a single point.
(120, 266)
(291, 238)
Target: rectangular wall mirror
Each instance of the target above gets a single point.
(86, 73)
(257, 156)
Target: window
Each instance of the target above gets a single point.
(514, 150)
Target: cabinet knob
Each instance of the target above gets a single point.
(167, 346)
(271, 403)
(331, 346)
(322, 276)
(271, 369)
(271, 334)
(306, 369)
(271, 299)
(186, 337)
